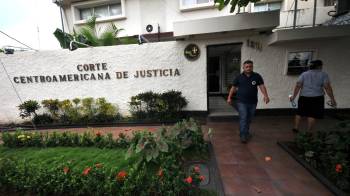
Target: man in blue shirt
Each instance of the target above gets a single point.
(246, 86)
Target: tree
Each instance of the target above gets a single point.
(233, 3)
(90, 35)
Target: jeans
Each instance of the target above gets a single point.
(246, 113)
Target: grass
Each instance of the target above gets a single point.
(80, 157)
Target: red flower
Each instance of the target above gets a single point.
(338, 168)
(122, 175)
(65, 170)
(188, 180)
(201, 178)
(99, 134)
(98, 165)
(196, 169)
(160, 172)
(86, 171)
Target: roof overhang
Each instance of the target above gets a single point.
(261, 21)
(309, 33)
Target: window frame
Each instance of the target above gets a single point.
(184, 8)
(266, 3)
(76, 7)
(314, 56)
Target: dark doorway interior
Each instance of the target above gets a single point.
(223, 65)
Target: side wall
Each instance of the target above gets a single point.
(165, 55)
(270, 62)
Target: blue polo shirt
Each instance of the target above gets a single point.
(248, 87)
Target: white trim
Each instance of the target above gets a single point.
(314, 56)
(200, 6)
(76, 14)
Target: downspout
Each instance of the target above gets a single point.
(314, 17)
(295, 13)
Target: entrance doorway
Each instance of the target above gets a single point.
(223, 65)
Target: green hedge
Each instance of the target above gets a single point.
(68, 139)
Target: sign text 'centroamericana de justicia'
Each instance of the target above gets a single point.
(97, 71)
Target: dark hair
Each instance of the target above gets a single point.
(248, 62)
(316, 64)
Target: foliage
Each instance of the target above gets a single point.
(75, 111)
(28, 108)
(91, 35)
(152, 147)
(155, 163)
(52, 105)
(328, 152)
(233, 3)
(40, 139)
(159, 106)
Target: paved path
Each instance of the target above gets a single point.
(243, 167)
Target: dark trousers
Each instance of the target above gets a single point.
(246, 114)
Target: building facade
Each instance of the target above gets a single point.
(204, 46)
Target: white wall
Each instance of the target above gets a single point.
(191, 82)
(139, 13)
(271, 63)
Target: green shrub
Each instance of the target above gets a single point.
(75, 111)
(328, 152)
(54, 139)
(157, 106)
(28, 108)
(52, 106)
(43, 119)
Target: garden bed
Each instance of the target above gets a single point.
(326, 155)
(292, 150)
(148, 163)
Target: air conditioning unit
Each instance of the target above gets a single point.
(342, 6)
(151, 28)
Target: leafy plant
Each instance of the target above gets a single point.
(52, 106)
(90, 35)
(233, 3)
(328, 152)
(157, 106)
(28, 108)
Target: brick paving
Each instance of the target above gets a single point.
(244, 170)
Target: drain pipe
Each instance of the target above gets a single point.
(295, 13)
(314, 17)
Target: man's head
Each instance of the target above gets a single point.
(248, 66)
(316, 64)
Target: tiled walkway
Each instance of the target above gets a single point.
(244, 169)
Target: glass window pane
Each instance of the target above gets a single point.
(275, 6)
(202, 1)
(261, 7)
(101, 11)
(85, 13)
(115, 9)
(189, 2)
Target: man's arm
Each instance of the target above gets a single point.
(329, 91)
(233, 90)
(263, 90)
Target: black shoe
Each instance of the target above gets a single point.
(295, 130)
(244, 139)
